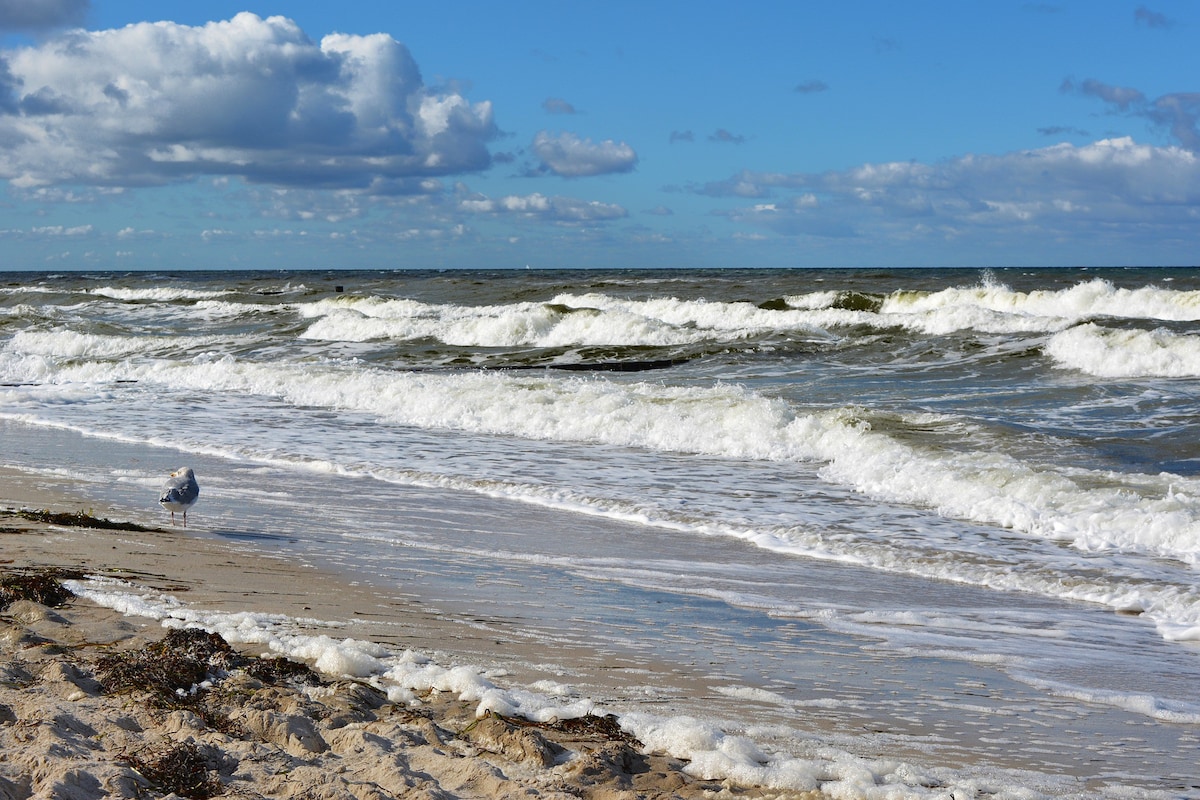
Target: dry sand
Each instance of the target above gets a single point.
(68, 731)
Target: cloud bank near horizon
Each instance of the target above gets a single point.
(1059, 189)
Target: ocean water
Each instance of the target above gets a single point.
(922, 533)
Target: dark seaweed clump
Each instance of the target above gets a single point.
(606, 728)
(41, 586)
(590, 726)
(176, 767)
(169, 669)
(281, 670)
(77, 519)
(172, 670)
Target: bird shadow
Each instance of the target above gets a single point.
(252, 536)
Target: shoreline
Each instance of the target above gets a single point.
(61, 732)
(231, 576)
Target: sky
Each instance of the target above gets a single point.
(615, 134)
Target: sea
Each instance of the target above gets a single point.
(873, 532)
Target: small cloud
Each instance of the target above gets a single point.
(1178, 113)
(556, 105)
(61, 230)
(885, 45)
(660, 211)
(570, 156)
(1122, 97)
(1152, 19)
(537, 206)
(682, 136)
(1062, 130)
(722, 135)
(811, 87)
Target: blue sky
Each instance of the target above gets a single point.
(150, 135)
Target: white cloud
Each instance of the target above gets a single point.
(62, 230)
(1064, 189)
(568, 155)
(564, 210)
(156, 102)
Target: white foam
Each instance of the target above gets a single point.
(1082, 301)
(69, 344)
(1109, 353)
(565, 321)
(1137, 703)
(157, 294)
(1092, 511)
(600, 319)
(711, 753)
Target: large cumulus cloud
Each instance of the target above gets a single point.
(151, 103)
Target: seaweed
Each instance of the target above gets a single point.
(590, 726)
(41, 586)
(280, 670)
(176, 767)
(76, 519)
(169, 669)
(605, 728)
(182, 670)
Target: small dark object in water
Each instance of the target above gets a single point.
(621, 366)
(858, 301)
(338, 289)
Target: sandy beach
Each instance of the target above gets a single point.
(70, 729)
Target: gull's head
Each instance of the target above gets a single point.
(183, 472)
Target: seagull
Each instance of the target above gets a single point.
(180, 493)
